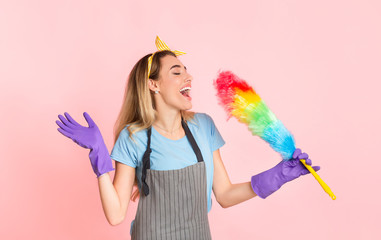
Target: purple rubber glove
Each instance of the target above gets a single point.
(269, 181)
(87, 137)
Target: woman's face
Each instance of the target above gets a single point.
(174, 77)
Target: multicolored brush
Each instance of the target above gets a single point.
(241, 101)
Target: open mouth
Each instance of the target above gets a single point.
(186, 93)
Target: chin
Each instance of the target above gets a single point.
(187, 107)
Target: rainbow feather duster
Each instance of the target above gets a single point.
(241, 101)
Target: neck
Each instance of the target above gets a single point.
(169, 122)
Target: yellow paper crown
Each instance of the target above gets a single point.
(160, 45)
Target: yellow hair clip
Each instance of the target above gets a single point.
(160, 45)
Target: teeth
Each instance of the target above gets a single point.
(184, 89)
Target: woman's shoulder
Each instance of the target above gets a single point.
(203, 119)
(129, 135)
(202, 116)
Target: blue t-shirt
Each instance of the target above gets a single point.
(170, 154)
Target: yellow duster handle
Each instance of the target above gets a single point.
(321, 182)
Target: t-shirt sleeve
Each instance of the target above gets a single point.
(216, 140)
(124, 150)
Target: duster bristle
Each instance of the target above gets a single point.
(225, 85)
(241, 101)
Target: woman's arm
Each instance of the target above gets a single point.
(228, 194)
(116, 196)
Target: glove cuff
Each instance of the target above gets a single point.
(100, 160)
(267, 182)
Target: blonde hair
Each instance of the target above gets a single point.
(138, 109)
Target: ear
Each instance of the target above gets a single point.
(153, 85)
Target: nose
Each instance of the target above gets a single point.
(189, 78)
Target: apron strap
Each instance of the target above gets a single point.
(146, 163)
(192, 141)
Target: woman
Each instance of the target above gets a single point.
(170, 153)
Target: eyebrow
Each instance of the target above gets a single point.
(177, 66)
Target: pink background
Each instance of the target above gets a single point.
(315, 63)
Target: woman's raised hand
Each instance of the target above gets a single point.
(87, 137)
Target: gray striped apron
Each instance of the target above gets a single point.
(174, 203)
